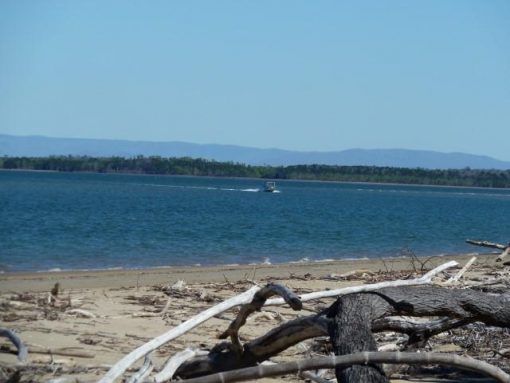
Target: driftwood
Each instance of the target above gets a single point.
(255, 305)
(121, 366)
(493, 245)
(462, 271)
(363, 358)
(352, 315)
(457, 308)
(16, 340)
(144, 371)
(168, 371)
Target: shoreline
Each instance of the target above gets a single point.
(266, 179)
(38, 281)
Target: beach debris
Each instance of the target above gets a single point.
(462, 271)
(308, 333)
(505, 248)
(359, 359)
(259, 299)
(81, 313)
(22, 350)
(173, 363)
(120, 367)
(179, 285)
(351, 275)
(54, 291)
(143, 372)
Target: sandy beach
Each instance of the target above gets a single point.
(123, 309)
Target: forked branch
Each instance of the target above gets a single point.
(256, 304)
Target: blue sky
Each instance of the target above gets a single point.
(314, 75)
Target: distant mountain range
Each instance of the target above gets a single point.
(39, 146)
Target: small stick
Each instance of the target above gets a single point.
(80, 312)
(461, 272)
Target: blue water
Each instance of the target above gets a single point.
(84, 221)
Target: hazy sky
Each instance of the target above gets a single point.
(303, 75)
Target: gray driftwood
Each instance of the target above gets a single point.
(362, 358)
(362, 314)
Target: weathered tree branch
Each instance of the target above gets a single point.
(462, 271)
(168, 371)
(361, 358)
(120, 367)
(492, 245)
(418, 332)
(256, 304)
(423, 280)
(458, 306)
(16, 340)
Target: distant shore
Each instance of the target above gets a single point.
(201, 167)
(118, 278)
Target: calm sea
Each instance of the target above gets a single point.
(87, 221)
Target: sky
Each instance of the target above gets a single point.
(298, 75)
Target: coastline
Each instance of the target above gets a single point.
(101, 315)
(265, 179)
(39, 281)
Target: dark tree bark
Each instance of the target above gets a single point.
(351, 332)
(356, 317)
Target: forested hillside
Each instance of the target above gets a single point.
(201, 167)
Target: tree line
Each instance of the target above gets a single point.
(203, 167)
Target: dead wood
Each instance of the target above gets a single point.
(350, 332)
(492, 245)
(121, 366)
(457, 308)
(22, 350)
(255, 305)
(418, 332)
(362, 358)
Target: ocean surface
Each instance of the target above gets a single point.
(62, 221)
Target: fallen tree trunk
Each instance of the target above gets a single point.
(353, 315)
(122, 365)
(350, 332)
(458, 307)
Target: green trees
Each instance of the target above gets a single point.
(203, 167)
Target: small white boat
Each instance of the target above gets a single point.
(270, 187)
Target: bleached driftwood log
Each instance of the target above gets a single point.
(120, 367)
(423, 280)
(493, 245)
(362, 358)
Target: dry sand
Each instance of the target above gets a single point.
(128, 303)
